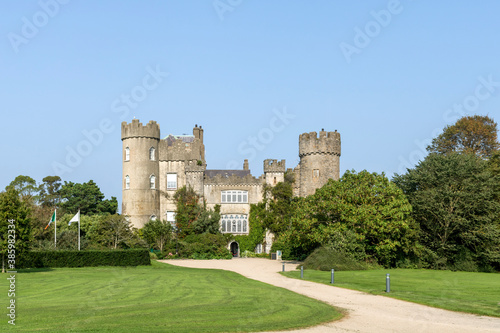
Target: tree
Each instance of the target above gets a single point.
(15, 227)
(49, 191)
(113, 231)
(207, 221)
(188, 210)
(26, 187)
(87, 198)
(455, 202)
(472, 134)
(278, 200)
(157, 233)
(363, 206)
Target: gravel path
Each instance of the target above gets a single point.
(364, 312)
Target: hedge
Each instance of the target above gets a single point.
(39, 259)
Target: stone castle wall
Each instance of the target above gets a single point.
(319, 160)
(185, 156)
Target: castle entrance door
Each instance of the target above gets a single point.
(234, 249)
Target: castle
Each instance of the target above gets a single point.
(154, 168)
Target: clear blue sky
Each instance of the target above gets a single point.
(388, 75)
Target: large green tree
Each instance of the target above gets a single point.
(157, 233)
(471, 134)
(113, 231)
(192, 215)
(15, 227)
(278, 200)
(49, 191)
(365, 208)
(86, 197)
(26, 187)
(455, 201)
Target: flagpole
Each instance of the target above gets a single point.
(55, 228)
(78, 230)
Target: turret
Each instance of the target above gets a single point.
(319, 160)
(141, 178)
(274, 171)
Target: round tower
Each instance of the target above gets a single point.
(141, 178)
(319, 160)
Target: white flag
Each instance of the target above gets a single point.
(75, 218)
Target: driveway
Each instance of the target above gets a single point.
(364, 312)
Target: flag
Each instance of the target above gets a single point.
(52, 219)
(75, 218)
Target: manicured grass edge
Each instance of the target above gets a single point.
(478, 313)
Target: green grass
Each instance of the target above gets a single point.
(477, 293)
(157, 298)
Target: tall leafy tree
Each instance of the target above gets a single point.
(157, 233)
(207, 221)
(14, 215)
(26, 187)
(365, 206)
(471, 134)
(278, 200)
(455, 201)
(192, 215)
(49, 191)
(87, 198)
(113, 231)
(188, 210)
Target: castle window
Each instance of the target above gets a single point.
(258, 248)
(171, 181)
(152, 154)
(152, 217)
(234, 197)
(234, 223)
(316, 173)
(152, 182)
(127, 154)
(274, 181)
(171, 218)
(127, 182)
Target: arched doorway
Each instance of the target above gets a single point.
(234, 248)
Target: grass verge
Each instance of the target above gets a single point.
(157, 298)
(477, 293)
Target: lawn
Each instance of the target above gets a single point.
(157, 298)
(477, 293)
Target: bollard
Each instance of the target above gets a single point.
(301, 272)
(283, 267)
(387, 283)
(332, 277)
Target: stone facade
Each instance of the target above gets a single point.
(154, 168)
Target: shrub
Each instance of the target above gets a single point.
(39, 259)
(326, 258)
(204, 246)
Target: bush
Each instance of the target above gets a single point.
(39, 259)
(326, 258)
(204, 246)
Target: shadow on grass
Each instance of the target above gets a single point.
(35, 270)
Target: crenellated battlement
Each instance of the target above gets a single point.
(271, 165)
(137, 130)
(326, 143)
